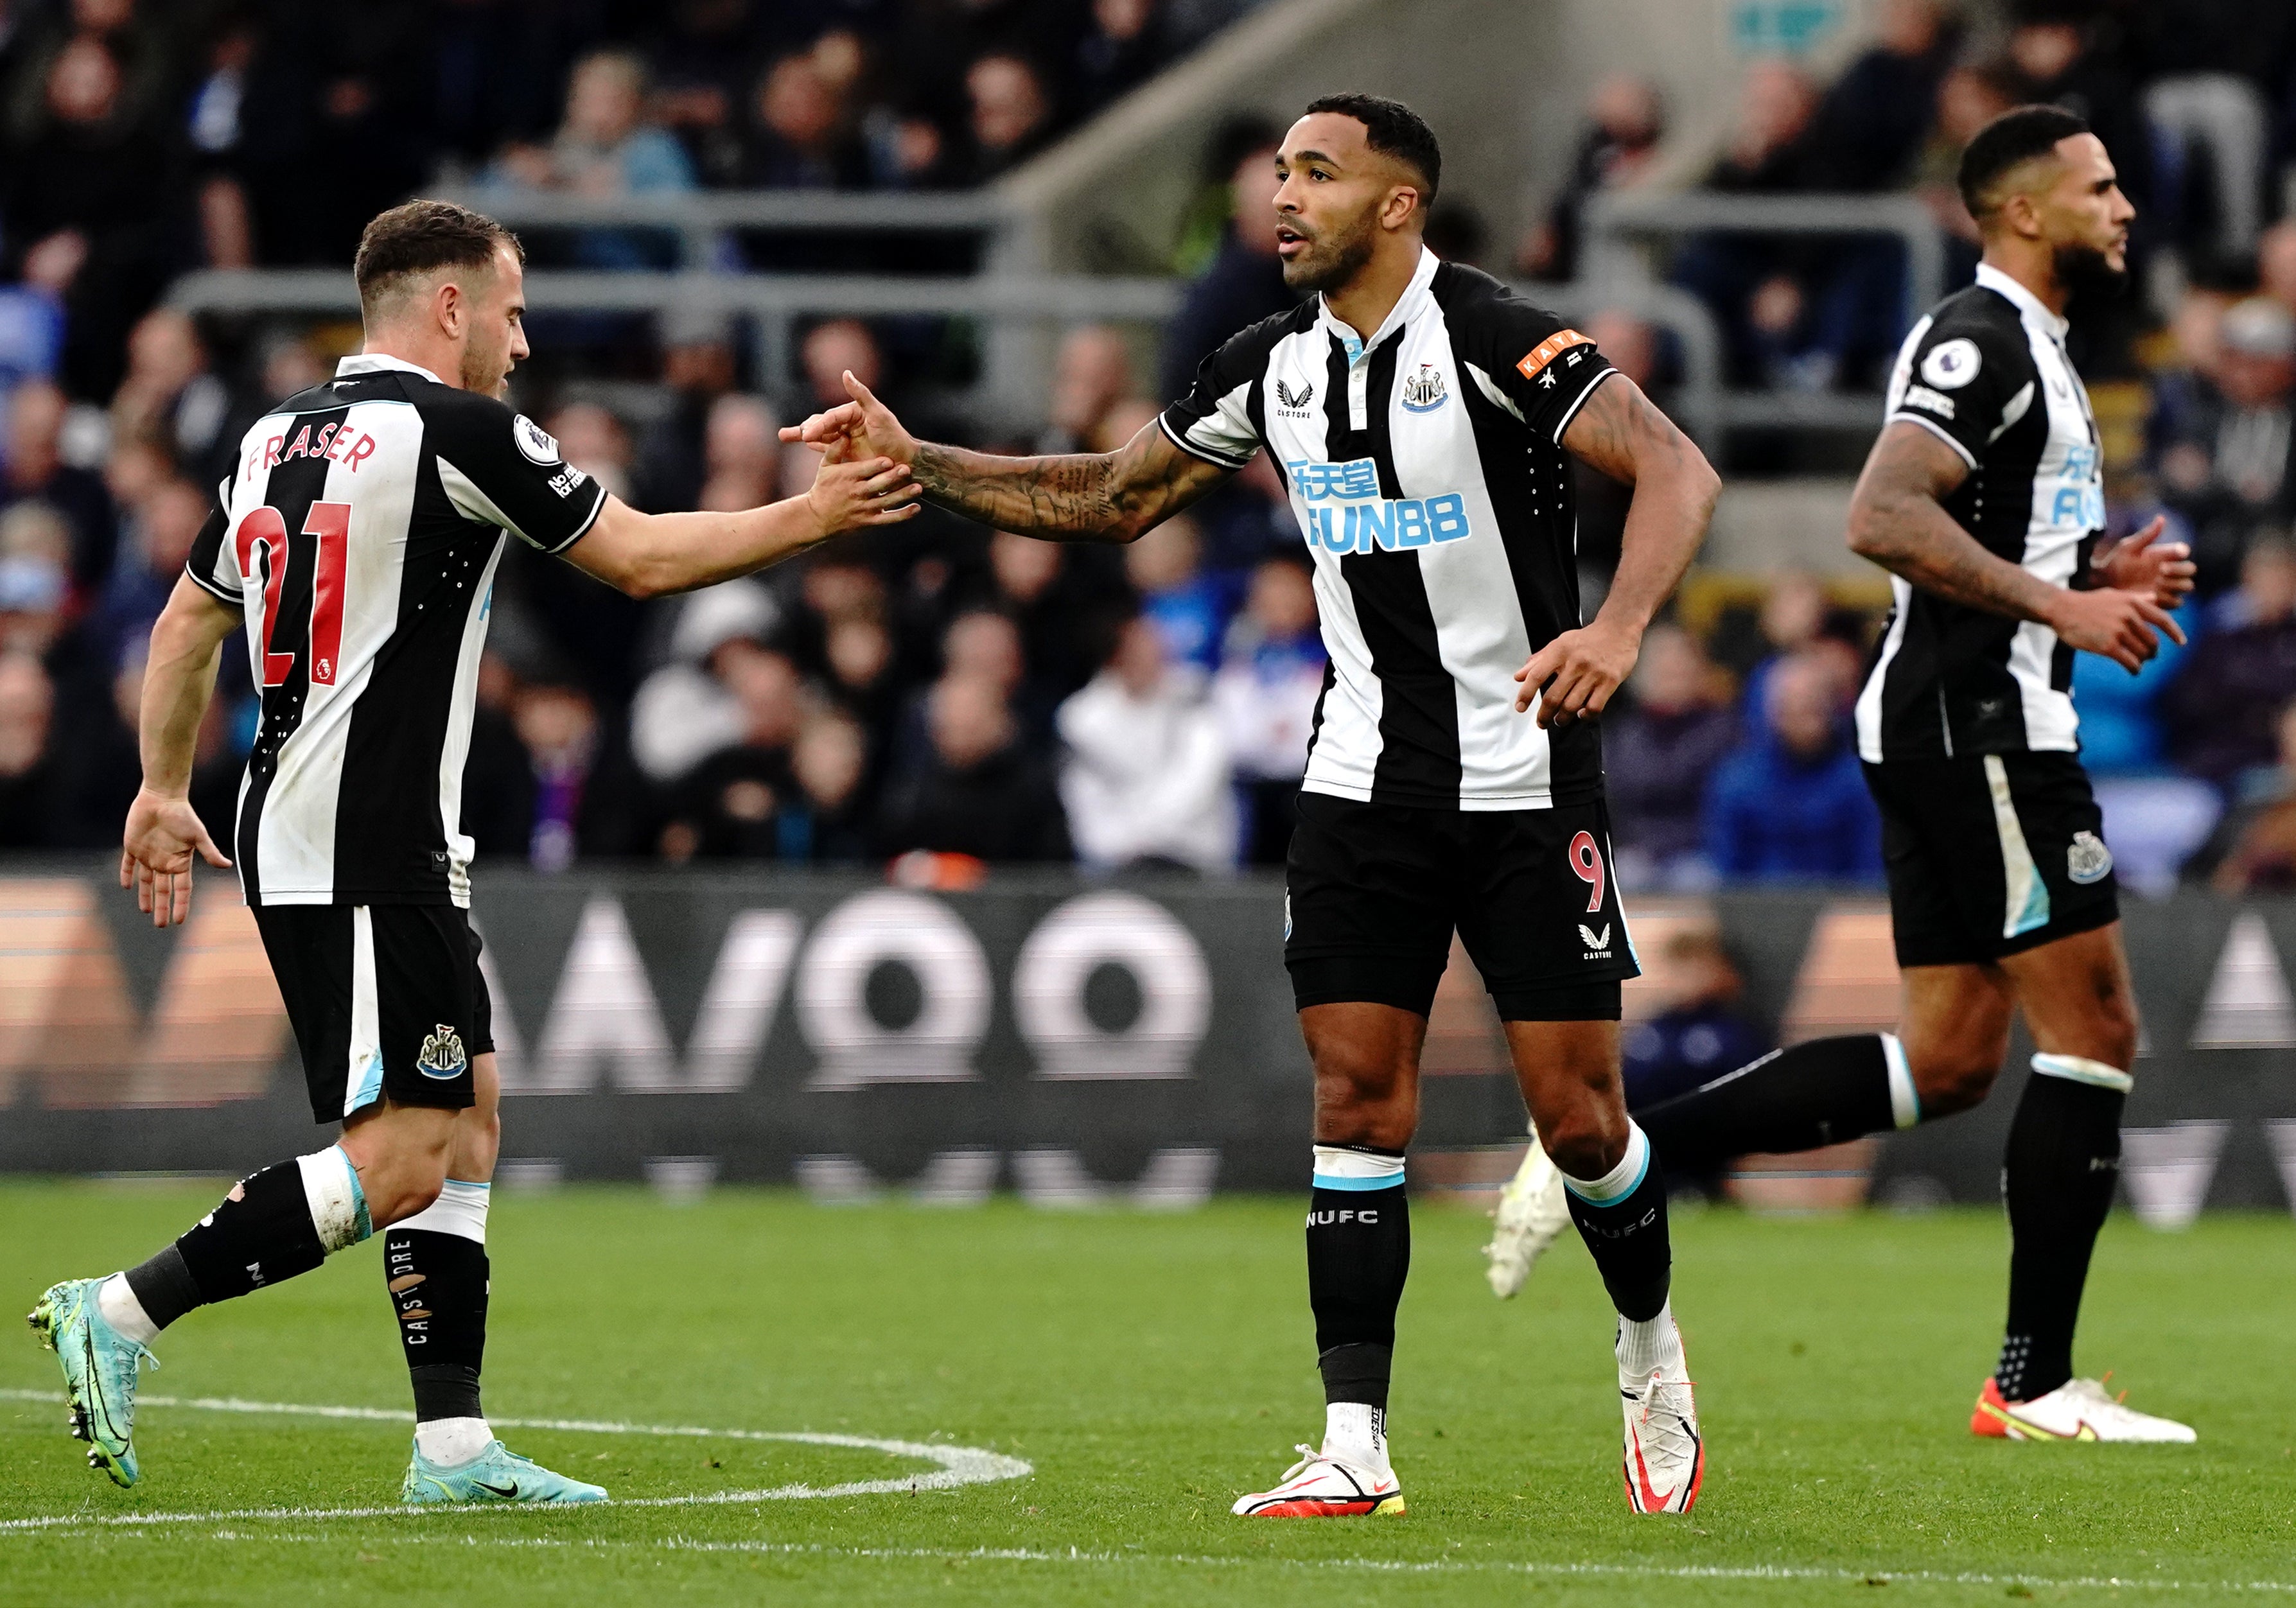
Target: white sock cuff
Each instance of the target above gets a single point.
(1905, 1099)
(461, 1208)
(2081, 1069)
(1621, 1181)
(330, 1188)
(1344, 1166)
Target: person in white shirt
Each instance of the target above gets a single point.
(1146, 777)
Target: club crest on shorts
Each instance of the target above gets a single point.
(2087, 860)
(442, 1054)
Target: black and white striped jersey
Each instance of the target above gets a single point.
(1987, 372)
(1426, 470)
(359, 534)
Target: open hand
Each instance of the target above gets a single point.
(2121, 625)
(851, 493)
(1577, 672)
(162, 835)
(864, 423)
(2145, 564)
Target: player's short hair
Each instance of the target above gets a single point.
(417, 236)
(2015, 137)
(1393, 129)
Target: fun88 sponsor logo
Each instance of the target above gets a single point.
(2079, 498)
(1347, 514)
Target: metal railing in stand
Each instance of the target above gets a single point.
(698, 216)
(775, 302)
(1616, 223)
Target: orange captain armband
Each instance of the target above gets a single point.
(1548, 351)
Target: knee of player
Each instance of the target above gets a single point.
(1953, 1079)
(1586, 1142)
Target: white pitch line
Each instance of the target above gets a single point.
(958, 1466)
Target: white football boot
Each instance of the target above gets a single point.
(2080, 1409)
(1532, 1211)
(1321, 1487)
(1665, 1459)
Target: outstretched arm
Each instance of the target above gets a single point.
(1621, 432)
(163, 833)
(1898, 519)
(652, 554)
(1109, 496)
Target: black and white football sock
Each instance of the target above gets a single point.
(1358, 1254)
(1824, 1092)
(1622, 1217)
(273, 1225)
(435, 1265)
(2057, 1179)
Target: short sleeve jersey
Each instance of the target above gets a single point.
(1426, 470)
(1987, 373)
(359, 534)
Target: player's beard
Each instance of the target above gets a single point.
(488, 375)
(2086, 271)
(1331, 261)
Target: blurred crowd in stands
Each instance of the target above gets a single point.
(937, 697)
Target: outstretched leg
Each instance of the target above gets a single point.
(1569, 1072)
(275, 1225)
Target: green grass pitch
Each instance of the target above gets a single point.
(1149, 1368)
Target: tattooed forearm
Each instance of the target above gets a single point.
(1898, 519)
(1092, 496)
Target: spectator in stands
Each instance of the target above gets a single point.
(87, 190)
(2121, 732)
(1791, 804)
(1012, 116)
(285, 365)
(1062, 598)
(1659, 752)
(740, 450)
(805, 138)
(2223, 709)
(1188, 606)
(1243, 283)
(158, 542)
(703, 55)
(1968, 98)
(1092, 373)
(821, 821)
(726, 805)
(1753, 285)
(606, 148)
(1146, 780)
(1271, 676)
(1868, 126)
(34, 471)
(697, 368)
(170, 394)
(1625, 121)
(2220, 440)
(1117, 53)
(976, 790)
(1699, 1032)
(2254, 850)
(828, 351)
(30, 791)
(686, 710)
(581, 796)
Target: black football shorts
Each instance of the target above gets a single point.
(1373, 892)
(385, 1000)
(1990, 854)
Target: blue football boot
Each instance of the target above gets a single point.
(496, 1474)
(100, 1368)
